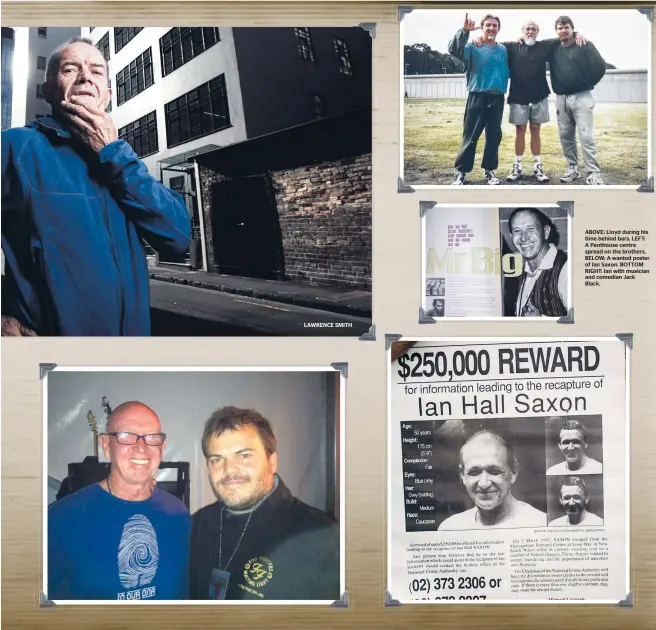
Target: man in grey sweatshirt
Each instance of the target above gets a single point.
(575, 70)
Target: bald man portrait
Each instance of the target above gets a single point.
(122, 538)
(488, 470)
(574, 498)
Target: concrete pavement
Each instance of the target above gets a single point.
(354, 303)
(183, 310)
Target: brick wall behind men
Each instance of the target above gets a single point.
(325, 219)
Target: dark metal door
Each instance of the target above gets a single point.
(246, 229)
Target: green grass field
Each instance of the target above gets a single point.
(433, 132)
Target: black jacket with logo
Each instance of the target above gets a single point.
(289, 551)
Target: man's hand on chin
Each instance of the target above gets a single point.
(11, 327)
(92, 126)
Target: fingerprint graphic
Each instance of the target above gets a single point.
(138, 553)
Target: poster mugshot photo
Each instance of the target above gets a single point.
(224, 192)
(511, 493)
(538, 97)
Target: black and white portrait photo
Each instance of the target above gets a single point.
(575, 501)
(539, 237)
(574, 445)
(438, 308)
(489, 473)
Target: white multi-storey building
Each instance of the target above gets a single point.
(184, 89)
(174, 91)
(31, 48)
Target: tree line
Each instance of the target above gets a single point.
(422, 59)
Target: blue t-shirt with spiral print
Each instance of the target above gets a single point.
(103, 547)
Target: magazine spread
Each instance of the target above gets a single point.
(487, 261)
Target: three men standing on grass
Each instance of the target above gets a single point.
(576, 67)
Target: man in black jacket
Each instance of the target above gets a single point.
(257, 541)
(575, 70)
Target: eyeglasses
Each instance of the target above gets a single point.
(130, 439)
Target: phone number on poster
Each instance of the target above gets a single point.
(445, 585)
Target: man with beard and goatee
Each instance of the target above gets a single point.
(528, 98)
(541, 289)
(257, 542)
(487, 81)
(574, 499)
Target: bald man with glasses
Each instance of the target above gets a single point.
(122, 538)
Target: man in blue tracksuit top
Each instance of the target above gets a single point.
(122, 538)
(76, 204)
(487, 82)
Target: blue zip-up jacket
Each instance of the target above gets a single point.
(72, 227)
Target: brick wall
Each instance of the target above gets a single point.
(325, 219)
(207, 178)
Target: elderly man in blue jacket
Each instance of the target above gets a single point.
(76, 205)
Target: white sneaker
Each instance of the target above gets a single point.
(594, 179)
(539, 174)
(460, 179)
(572, 174)
(492, 179)
(516, 173)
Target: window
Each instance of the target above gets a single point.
(317, 103)
(197, 113)
(109, 105)
(304, 43)
(135, 77)
(40, 63)
(341, 50)
(39, 90)
(103, 46)
(177, 184)
(182, 44)
(42, 31)
(124, 35)
(141, 134)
